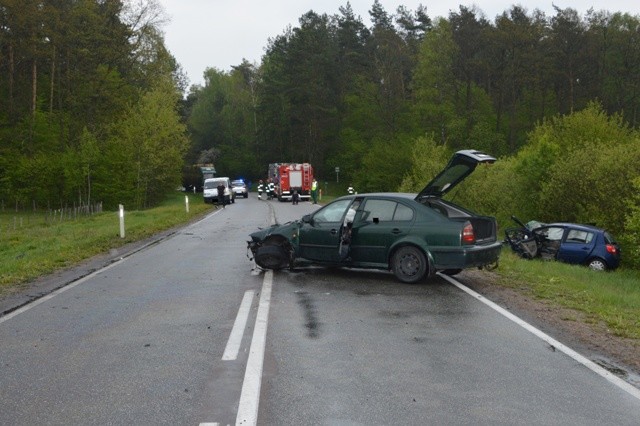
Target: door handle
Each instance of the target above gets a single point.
(395, 231)
(334, 232)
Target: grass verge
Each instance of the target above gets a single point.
(609, 298)
(31, 245)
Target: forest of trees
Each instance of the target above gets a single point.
(92, 107)
(89, 99)
(337, 93)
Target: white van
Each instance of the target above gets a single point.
(210, 191)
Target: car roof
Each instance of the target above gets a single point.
(403, 195)
(214, 179)
(574, 225)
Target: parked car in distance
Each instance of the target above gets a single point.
(210, 190)
(567, 242)
(239, 188)
(412, 235)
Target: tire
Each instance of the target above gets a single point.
(597, 264)
(409, 264)
(246, 195)
(271, 257)
(491, 266)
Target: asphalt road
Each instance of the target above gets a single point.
(186, 332)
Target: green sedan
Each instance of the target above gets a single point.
(413, 236)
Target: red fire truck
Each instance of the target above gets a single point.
(290, 176)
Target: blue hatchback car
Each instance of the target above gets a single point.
(567, 242)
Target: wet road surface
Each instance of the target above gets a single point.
(144, 342)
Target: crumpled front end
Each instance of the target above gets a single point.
(272, 247)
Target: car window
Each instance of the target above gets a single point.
(387, 210)
(381, 209)
(403, 213)
(608, 238)
(552, 233)
(332, 212)
(578, 236)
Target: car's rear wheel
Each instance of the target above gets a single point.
(597, 264)
(409, 264)
(271, 257)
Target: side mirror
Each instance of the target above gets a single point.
(307, 219)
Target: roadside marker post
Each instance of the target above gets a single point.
(121, 214)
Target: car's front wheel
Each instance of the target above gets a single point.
(409, 264)
(271, 257)
(597, 264)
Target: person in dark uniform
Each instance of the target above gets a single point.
(221, 199)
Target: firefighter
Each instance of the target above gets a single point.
(260, 189)
(271, 187)
(350, 190)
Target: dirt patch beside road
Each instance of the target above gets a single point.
(617, 354)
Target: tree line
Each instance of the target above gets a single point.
(89, 104)
(335, 92)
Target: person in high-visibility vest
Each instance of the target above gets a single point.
(260, 189)
(314, 191)
(350, 190)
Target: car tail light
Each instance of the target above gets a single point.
(468, 234)
(611, 249)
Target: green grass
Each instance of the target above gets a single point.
(608, 298)
(33, 244)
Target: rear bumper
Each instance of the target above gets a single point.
(466, 257)
(287, 195)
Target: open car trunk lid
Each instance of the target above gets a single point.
(461, 165)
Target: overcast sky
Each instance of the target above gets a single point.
(220, 33)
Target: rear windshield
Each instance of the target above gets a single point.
(214, 183)
(608, 238)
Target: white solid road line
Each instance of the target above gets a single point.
(250, 396)
(237, 332)
(627, 387)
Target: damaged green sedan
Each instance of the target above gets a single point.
(412, 235)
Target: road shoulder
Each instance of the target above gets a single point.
(619, 355)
